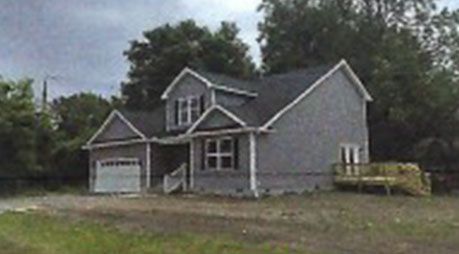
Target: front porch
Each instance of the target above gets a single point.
(167, 162)
(212, 163)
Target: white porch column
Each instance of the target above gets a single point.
(148, 164)
(253, 164)
(191, 164)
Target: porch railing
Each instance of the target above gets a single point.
(175, 180)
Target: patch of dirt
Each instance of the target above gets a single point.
(325, 223)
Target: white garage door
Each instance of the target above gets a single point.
(117, 176)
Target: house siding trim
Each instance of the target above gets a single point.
(235, 91)
(180, 139)
(114, 144)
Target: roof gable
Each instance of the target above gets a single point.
(115, 128)
(229, 85)
(312, 87)
(183, 73)
(216, 117)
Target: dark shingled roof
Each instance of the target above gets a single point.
(273, 94)
(151, 124)
(248, 85)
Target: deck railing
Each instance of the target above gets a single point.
(176, 179)
(406, 176)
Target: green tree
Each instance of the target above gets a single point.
(166, 50)
(404, 51)
(77, 117)
(17, 122)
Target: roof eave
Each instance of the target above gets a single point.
(356, 80)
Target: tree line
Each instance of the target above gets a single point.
(405, 51)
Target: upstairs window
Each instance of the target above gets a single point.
(188, 110)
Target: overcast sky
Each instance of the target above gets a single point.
(82, 40)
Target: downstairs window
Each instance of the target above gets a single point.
(220, 153)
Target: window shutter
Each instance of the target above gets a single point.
(203, 154)
(236, 153)
(202, 104)
(176, 112)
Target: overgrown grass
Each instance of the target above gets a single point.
(34, 233)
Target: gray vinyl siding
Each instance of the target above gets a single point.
(137, 151)
(188, 86)
(305, 143)
(234, 182)
(216, 120)
(230, 99)
(116, 130)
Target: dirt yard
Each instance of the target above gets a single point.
(319, 223)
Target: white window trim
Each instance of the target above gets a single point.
(179, 109)
(218, 154)
(189, 109)
(196, 109)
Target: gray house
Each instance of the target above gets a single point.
(217, 134)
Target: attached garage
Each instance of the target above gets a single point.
(119, 155)
(119, 175)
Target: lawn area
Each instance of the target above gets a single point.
(38, 233)
(323, 223)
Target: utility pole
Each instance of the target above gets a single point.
(44, 99)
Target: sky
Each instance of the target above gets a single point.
(82, 41)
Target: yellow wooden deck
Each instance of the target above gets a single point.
(387, 175)
(368, 180)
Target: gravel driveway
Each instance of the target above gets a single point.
(54, 201)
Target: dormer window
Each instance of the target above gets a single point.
(188, 110)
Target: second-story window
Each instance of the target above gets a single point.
(188, 110)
